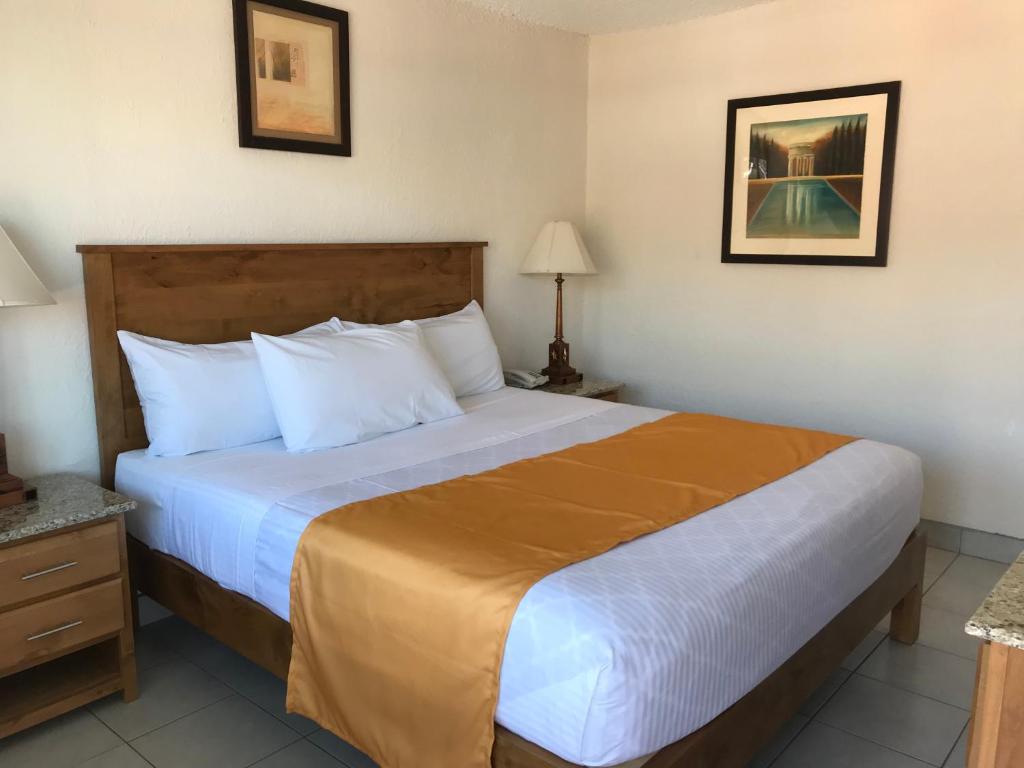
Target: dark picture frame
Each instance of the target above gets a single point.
(770, 177)
(288, 64)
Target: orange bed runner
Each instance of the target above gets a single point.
(400, 605)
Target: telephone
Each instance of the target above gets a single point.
(517, 377)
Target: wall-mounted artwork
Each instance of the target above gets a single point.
(808, 177)
(291, 65)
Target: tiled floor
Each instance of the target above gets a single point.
(897, 706)
(888, 706)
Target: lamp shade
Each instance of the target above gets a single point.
(19, 286)
(558, 249)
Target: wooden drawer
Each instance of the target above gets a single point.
(44, 566)
(42, 629)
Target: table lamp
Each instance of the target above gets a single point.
(19, 287)
(559, 250)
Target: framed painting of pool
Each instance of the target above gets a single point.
(808, 177)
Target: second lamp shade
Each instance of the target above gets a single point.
(558, 249)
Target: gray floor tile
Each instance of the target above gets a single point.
(863, 650)
(782, 739)
(936, 561)
(301, 754)
(178, 636)
(942, 535)
(819, 746)
(151, 611)
(945, 631)
(64, 741)
(166, 692)
(824, 692)
(342, 750)
(991, 546)
(917, 668)
(122, 757)
(964, 585)
(151, 649)
(232, 733)
(905, 722)
(958, 757)
(255, 683)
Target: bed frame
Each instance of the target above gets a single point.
(214, 293)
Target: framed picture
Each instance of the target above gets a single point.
(291, 64)
(808, 177)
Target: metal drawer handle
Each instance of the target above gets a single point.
(46, 571)
(49, 632)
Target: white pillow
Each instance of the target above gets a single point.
(352, 386)
(202, 397)
(463, 346)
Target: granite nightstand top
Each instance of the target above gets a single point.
(64, 500)
(1001, 617)
(585, 388)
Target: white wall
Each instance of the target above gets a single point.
(927, 353)
(118, 124)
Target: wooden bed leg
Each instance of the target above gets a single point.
(905, 620)
(136, 624)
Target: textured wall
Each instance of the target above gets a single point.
(927, 353)
(118, 125)
(599, 16)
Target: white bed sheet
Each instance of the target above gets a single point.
(608, 659)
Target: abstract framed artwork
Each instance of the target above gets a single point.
(808, 177)
(292, 72)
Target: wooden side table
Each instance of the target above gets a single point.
(996, 736)
(598, 389)
(65, 602)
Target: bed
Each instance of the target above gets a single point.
(687, 647)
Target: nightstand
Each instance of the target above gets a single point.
(598, 389)
(65, 603)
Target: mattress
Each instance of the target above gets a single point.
(606, 660)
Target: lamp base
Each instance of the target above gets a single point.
(12, 489)
(559, 371)
(569, 378)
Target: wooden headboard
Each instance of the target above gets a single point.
(212, 293)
